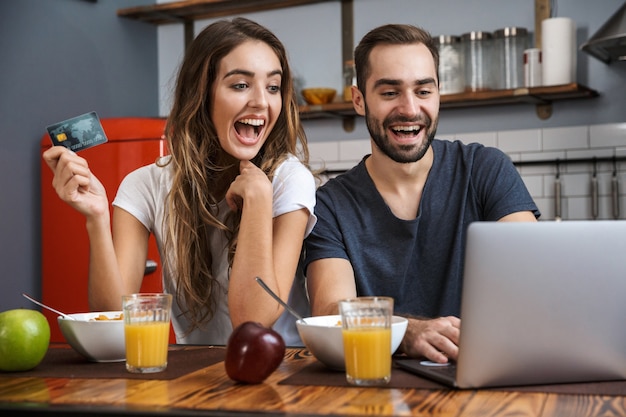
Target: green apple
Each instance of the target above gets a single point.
(24, 339)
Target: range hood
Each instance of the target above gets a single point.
(608, 44)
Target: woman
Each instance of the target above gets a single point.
(231, 201)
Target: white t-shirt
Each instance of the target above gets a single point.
(143, 193)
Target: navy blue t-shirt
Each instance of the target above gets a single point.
(418, 262)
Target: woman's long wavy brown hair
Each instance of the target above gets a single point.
(202, 171)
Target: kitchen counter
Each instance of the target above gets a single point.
(196, 384)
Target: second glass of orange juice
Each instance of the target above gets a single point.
(366, 328)
(147, 330)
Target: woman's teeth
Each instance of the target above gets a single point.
(252, 122)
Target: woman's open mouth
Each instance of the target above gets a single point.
(249, 130)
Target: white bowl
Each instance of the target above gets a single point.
(322, 337)
(96, 340)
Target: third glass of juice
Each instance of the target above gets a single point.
(366, 323)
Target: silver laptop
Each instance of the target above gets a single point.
(542, 303)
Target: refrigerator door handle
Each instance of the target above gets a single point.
(151, 266)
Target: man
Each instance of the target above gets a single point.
(395, 224)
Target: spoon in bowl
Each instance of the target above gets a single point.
(48, 308)
(280, 301)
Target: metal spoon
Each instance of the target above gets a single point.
(49, 308)
(277, 298)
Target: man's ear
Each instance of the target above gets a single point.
(358, 101)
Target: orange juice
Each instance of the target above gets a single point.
(367, 353)
(146, 344)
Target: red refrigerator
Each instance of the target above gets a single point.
(132, 142)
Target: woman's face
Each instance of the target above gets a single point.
(246, 98)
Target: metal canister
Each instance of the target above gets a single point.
(479, 56)
(451, 65)
(510, 43)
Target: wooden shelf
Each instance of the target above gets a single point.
(530, 95)
(540, 96)
(185, 11)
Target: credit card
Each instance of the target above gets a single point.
(78, 133)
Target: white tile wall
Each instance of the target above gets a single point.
(565, 138)
(550, 144)
(520, 141)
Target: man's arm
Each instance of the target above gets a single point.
(438, 339)
(520, 216)
(332, 279)
(328, 281)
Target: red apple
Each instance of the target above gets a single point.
(253, 352)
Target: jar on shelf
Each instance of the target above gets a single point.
(532, 67)
(349, 79)
(480, 62)
(451, 66)
(510, 44)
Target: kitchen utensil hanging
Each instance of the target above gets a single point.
(615, 190)
(594, 191)
(557, 193)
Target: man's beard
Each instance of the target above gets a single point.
(403, 154)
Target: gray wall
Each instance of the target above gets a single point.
(60, 59)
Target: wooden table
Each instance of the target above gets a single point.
(209, 391)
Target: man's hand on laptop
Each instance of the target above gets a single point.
(435, 339)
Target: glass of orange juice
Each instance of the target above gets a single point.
(366, 329)
(147, 331)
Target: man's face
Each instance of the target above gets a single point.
(402, 101)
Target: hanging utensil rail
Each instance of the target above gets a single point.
(590, 160)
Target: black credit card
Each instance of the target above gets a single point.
(78, 133)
